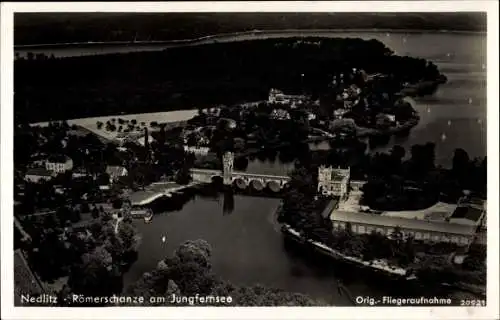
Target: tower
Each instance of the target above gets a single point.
(227, 163)
(146, 145)
(324, 178)
(146, 139)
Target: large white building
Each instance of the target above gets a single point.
(436, 231)
(333, 182)
(59, 164)
(277, 96)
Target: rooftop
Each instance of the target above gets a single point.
(115, 171)
(38, 172)
(467, 212)
(414, 224)
(58, 158)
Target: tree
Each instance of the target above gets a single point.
(95, 213)
(461, 166)
(96, 275)
(183, 176)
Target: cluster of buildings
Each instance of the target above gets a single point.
(54, 165)
(49, 168)
(460, 227)
(278, 97)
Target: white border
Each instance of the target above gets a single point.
(6, 20)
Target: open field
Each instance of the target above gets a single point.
(160, 117)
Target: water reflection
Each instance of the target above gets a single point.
(228, 201)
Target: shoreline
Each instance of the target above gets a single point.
(240, 33)
(397, 272)
(387, 270)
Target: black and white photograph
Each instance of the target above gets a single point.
(249, 155)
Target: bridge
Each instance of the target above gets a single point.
(239, 179)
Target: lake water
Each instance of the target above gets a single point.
(247, 244)
(455, 116)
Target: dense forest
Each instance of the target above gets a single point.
(40, 28)
(193, 77)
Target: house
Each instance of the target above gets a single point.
(115, 172)
(339, 113)
(142, 140)
(311, 116)
(203, 151)
(428, 231)
(59, 164)
(229, 123)
(277, 96)
(280, 114)
(38, 174)
(79, 173)
(333, 182)
(390, 117)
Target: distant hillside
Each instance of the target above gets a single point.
(38, 28)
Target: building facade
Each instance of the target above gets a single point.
(333, 182)
(37, 174)
(115, 172)
(59, 164)
(428, 231)
(202, 151)
(277, 96)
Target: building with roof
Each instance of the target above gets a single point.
(38, 174)
(468, 214)
(280, 114)
(436, 231)
(333, 182)
(59, 164)
(79, 173)
(202, 151)
(277, 96)
(115, 172)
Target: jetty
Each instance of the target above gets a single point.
(155, 191)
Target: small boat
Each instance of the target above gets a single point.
(148, 219)
(470, 100)
(449, 123)
(443, 137)
(164, 239)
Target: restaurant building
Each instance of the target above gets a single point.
(424, 230)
